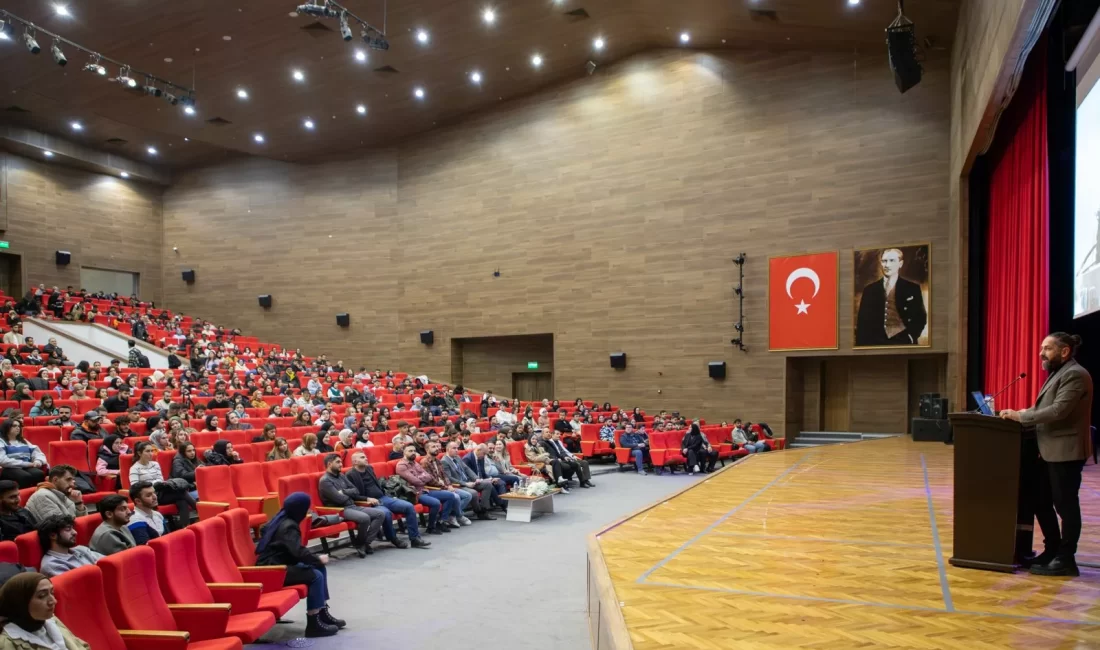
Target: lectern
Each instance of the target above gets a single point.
(995, 487)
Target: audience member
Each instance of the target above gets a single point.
(172, 491)
(281, 450)
(58, 496)
(549, 467)
(698, 452)
(741, 440)
(118, 403)
(60, 551)
(146, 522)
(308, 446)
(14, 519)
(222, 453)
(27, 606)
(112, 536)
(571, 464)
(338, 492)
(185, 465)
(638, 444)
(20, 461)
(459, 474)
(426, 484)
(366, 482)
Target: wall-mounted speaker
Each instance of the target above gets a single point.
(265, 300)
(62, 257)
(901, 44)
(343, 320)
(427, 337)
(717, 369)
(618, 360)
(189, 275)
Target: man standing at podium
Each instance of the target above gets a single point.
(1061, 419)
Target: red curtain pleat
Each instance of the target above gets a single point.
(1016, 270)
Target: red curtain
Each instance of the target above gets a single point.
(1016, 269)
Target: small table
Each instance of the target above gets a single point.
(524, 508)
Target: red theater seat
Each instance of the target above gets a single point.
(30, 551)
(275, 470)
(241, 546)
(301, 483)
(217, 566)
(215, 484)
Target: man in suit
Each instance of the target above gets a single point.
(891, 310)
(459, 474)
(478, 461)
(570, 464)
(1061, 420)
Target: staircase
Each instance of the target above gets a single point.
(818, 438)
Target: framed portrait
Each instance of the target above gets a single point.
(892, 297)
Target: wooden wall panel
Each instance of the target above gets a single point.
(105, 222)
(488, 363)
(879, 398)
(611, 207)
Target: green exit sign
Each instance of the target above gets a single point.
(4, 244)
(532, 365)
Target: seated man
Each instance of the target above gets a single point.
(118, 403)
(551, 441)
(112, 536)
(397, 450)
(366, 483)
(60, 552)
(460, 475)
(741, 440)
(638, 444)
(479, 462)
(14, 520)
(338, 492)
(147, 522)
(58, 496)
(90, 429)
(428, 490)
(64, 418)
(434, 466)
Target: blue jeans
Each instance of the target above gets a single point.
(509, 480)
(402, 508)
(639, 458)
(448, 501)
(464, 497)
(754, 447)
(316, 581)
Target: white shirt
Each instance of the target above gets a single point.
(154, 520)
(506, 417)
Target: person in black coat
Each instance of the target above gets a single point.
(877, 323)
(281, 544)
(698, 452)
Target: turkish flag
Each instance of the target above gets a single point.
(802, 302)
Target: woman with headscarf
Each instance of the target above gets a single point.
(212, 423)
(221, 454)
(107, 457)
(308, 446)
(27, 604)
(362, 438)
(345, 442)
(281, 544)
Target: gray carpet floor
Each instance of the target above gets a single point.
(491, 585)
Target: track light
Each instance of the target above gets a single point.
(32, 45)
(6, 30)
(375, 40)
(58, 55)
(171, 99)
(94, 66)
(345, 30)
(124, 78)
(319, 11)
(151, 90)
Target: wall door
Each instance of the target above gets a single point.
(532, 386)
(11, 275)
(834, 395)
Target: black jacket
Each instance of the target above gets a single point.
(870, 323)
(13, 525)
(693, 442)
(115, 404)
(563, 426)
(185, 468)
(286, 547)
(83, 435)
(552, 449)
(366, 482)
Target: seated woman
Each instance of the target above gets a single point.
(221, 454)
(107, 458)
(281, 545)
(303, 420)
(44, 407)
(281, 450)
(345, 442)
(27, 604)
(268, 434)
(334, 394)
(233, 422)
(184, 466)
(20, 461)
(146, 468)
(506, 471)
(308, 446)
(212, 423)
(362, 438)
(548, 467)
(275, 411)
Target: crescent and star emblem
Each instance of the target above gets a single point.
(810, 275)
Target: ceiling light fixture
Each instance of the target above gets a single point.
(489, 16)
(28, 40)
(853, 3)
(360, 56)
(598, 44)
(475, 77)
(94, 66)
(61, 10)
(258, 137)
(422, 36)
(536, 60)
(125, 79)
(361, 109)
(190, 110)
(345, 29)
(298, 75)
(77, 126)
(124, 174)
(48, 154)
(308, 123)
(152, 151)
(419, 93)
(685, 37)
(242, 93)
(58, 55)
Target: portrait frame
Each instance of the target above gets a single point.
(916, 268)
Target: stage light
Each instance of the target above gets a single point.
(152, 151)
(360, 56)
(853, 3)
(77, 126)
(48, 154)
(319, 11)
(151, 90)
(28, 40)
(242, 93)
(6, 30)
(308, 123)
(419, 93)
(536, 61)
(375, 42)
(685, 37)
(258, 137)
(361, 109)
(597, 44)
(489, 16)
(475, 77)
(94, 66)
(125, 79)
(125, 174)
(345, 29)
(58, 55)
(298, 75)
(61, 10)
(170, 98)
(422, 36)
(190, 110)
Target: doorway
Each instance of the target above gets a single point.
(532, 386)
(834, 395)
(11, 275)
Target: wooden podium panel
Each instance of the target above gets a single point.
(992, 461)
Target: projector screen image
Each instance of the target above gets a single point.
(1086, 243)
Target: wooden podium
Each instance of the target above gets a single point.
(995, 487)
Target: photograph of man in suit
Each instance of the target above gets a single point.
(891, 309)
(1061, 420)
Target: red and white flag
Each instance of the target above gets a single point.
(802, 302)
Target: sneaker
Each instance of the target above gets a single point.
(642, 472)
(695, 470)
(452, 522)
(465, 521)
(416, 542)
(443, 528)
(485, 516)
(565, 490)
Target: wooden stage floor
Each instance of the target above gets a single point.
(841, 547)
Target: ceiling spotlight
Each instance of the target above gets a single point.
(94, 66)
(308, 123)
(258, 137)
(852, 3)
(171, 99)
(190, 110)
(361, 109)
(298, 75)
(48, 154)
(242, 93)
(597, 44)
(152, 151)
(319, 10)
(61, 10)
(32, 45)
(536, 60)
(421, 36)
(77, 126)
(489, 16)
(375, 40)
(360, 56)
(151, 90)
(6, 30)
(125, 79)
(419, 93)
(125, 174)
(475, 77)
(58, 55)
(685, 37)
(345, 30)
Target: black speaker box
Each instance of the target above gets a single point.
(62, 257)
(618, 360)
(926, 404)
(189, 275)
(925, 430)
(717, 369)
(265, 300)
(427, 337)
(938, 409)
(901, 43)
(343, 320)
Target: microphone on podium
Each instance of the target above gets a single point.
(989, 399)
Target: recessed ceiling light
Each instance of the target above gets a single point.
(536, 60)
(48, 154)
(187, 139)
(167, 59)
(189, 110)
(242, 93)
(308, 123)
(151, 150)
(598, 43)
(685, 37)
(227, 38)
(852, 3)
(489, 16)
(419, 93)
(61, 10)
(360, 56)
(298, 75)
(125, 174)
(421, 36)
(77, 126)
(475, 77)
(361, 109)
(258, 137)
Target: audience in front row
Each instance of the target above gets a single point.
(20, 461)
(14, 520)
(60, 552)
(338, 492)
(58, 496)
(27, 606)
(362, 476)
(112, 536)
